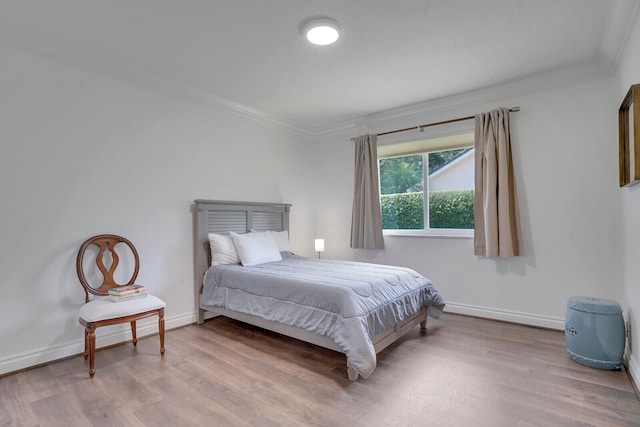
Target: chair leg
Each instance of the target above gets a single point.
(161, 330)
(86, 344)
(91, 338)
(133, 333)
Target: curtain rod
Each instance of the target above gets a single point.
(421, 127)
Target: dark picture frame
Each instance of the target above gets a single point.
(629, 137)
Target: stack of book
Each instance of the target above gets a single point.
(127, 292)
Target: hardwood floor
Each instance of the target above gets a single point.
(462, 372)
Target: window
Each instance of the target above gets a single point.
(442, 168)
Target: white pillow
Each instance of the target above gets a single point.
(280, 237)
(223, 251)
(282, 240)
(255, 248)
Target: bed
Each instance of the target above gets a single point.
(354, 308)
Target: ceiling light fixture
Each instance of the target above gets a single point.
(321, 31)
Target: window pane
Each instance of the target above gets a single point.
(402, 192)
(446, 176)
(451, 184)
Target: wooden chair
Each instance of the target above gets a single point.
(103, 311)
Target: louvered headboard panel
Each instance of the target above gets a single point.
(217, 216)
(263, 221)
(223, 221)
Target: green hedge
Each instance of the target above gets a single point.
(447, 209)
(403, 211)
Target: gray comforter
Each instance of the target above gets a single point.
(348, 302)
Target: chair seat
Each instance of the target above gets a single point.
(105, 308)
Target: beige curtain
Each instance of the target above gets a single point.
(366, 217)
(497, 224)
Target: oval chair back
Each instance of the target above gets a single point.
(106, 244)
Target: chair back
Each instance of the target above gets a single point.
(106, 244)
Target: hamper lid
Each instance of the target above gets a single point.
(594, 305)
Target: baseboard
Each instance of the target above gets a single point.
(506, 316)
(633, 369)
(116, 335)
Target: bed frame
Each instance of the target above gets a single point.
(216, 216)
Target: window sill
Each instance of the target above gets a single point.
(456, 234)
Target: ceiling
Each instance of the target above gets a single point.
(250, 54)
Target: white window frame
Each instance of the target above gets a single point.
(423, 146)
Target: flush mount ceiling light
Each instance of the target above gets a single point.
(321, 31)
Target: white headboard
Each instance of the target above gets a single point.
(219, 216)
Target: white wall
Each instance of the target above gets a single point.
(565, 150)
(629, 74)
(83, 155)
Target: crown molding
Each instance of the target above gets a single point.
(261, 116)
(350, 126)
(620, 23)
(31, 43)
(623, 16)
(473, 102)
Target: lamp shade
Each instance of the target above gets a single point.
(319, 245)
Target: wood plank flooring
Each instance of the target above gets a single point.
(462, 372)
